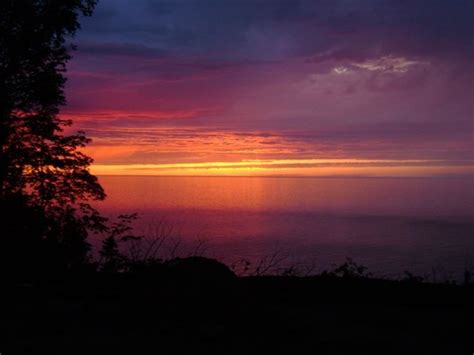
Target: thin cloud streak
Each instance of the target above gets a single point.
(308, 167)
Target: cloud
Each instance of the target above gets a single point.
(341, 70)
(311, 167)
(287, 28)
(194, 80)
(120, 49)
(389, 64)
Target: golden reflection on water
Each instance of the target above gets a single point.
(400, 196)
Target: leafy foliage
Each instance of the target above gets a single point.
(111, 258)
(350, 269)
(40, 165)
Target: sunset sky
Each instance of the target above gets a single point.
(270, 87)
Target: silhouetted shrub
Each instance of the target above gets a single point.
(200, 269)
(411, 278)
(350, 269)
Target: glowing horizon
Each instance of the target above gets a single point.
(287, 167)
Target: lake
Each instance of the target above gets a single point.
(424, 225)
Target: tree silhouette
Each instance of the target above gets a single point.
(112, 259)
(42, 170)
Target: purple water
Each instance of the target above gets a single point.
(424, 225)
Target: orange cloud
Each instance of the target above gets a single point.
(295, 167)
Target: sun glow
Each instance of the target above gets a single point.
(289, 167)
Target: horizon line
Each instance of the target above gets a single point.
(295, 176)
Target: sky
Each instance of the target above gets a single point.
(276, 87)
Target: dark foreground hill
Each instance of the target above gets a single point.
(195, 309)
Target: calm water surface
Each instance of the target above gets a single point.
(387, 224)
